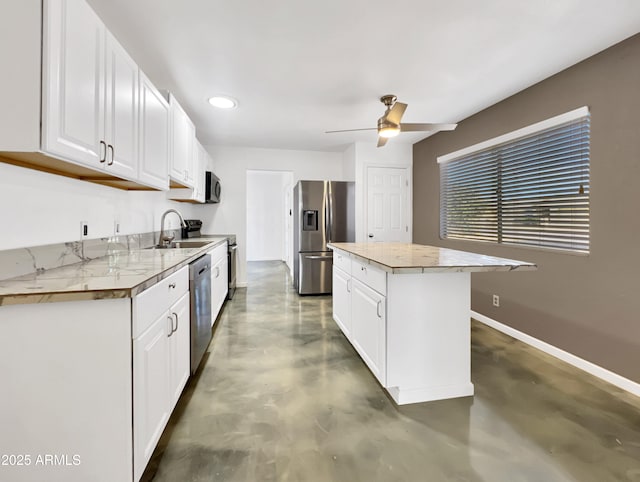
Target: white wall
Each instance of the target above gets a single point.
(349, 163)
(265, 215)
(231, 164)
(39, 208)
(394, 154)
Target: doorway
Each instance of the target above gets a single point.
(269, 233)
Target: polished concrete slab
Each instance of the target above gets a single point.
(282, 396)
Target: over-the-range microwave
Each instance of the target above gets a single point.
(212, 189)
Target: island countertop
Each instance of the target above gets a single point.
(119, 274)
(399, 258)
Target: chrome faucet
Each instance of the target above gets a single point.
(165, 239)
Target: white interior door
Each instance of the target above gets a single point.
(387, 197)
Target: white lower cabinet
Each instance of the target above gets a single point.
(161, 361)
(360, 310)
(369, 327)
(151, 408)
(180, 349)
(114, 370)
(342, 300)
(219, 279)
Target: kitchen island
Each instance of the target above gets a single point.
(405, 308)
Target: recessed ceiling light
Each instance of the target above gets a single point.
(223, 102)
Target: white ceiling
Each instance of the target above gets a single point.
(300, 67)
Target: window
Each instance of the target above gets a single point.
(529, 187)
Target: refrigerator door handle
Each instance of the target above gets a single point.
(327, 220)
(330, 212)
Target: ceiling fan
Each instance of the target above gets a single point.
(389, 124)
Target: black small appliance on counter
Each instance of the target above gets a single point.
(193, 228)
(193, 231)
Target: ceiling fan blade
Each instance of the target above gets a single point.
(353, 130)
(427, 127)
(397, 111)
(382, 141)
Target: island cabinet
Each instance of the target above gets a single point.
(405, 308)
(342, 292)
(414, 339)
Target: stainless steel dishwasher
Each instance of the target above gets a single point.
(200, 293)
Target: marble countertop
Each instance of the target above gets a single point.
(416, 258)
(119, 274)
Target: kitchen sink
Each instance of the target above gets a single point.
(183, 243)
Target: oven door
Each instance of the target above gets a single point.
(232, 258)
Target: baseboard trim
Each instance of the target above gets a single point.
(595, 370)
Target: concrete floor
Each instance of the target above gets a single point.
(282, 396)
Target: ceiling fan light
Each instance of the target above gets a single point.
(389, 131)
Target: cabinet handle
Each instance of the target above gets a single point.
(217, 271)
(103, 151)
(176, 316)
(110, 147)
(362, 268)
(170, 329)
(348, 286)
(172, 285)
(378, 308)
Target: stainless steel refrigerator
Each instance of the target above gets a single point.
(323, 211)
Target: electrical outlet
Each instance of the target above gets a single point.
(84, 229)
(496, 300)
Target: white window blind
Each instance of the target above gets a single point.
(528, 188)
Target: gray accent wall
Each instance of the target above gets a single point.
(586, 305)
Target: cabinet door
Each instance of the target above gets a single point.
(368, 327)
(73, 80)
(151, 393)
(121, 116)
(182, 143)
(180, 348)
(342, 300)
(219, 286)
(200, 180)
(153, 136)
(193, 164)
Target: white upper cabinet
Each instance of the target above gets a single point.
(91, 91)
(153, 122)
(74, 83)
(196, 194)
(79, 97)
(183, 148)
(121, 110)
